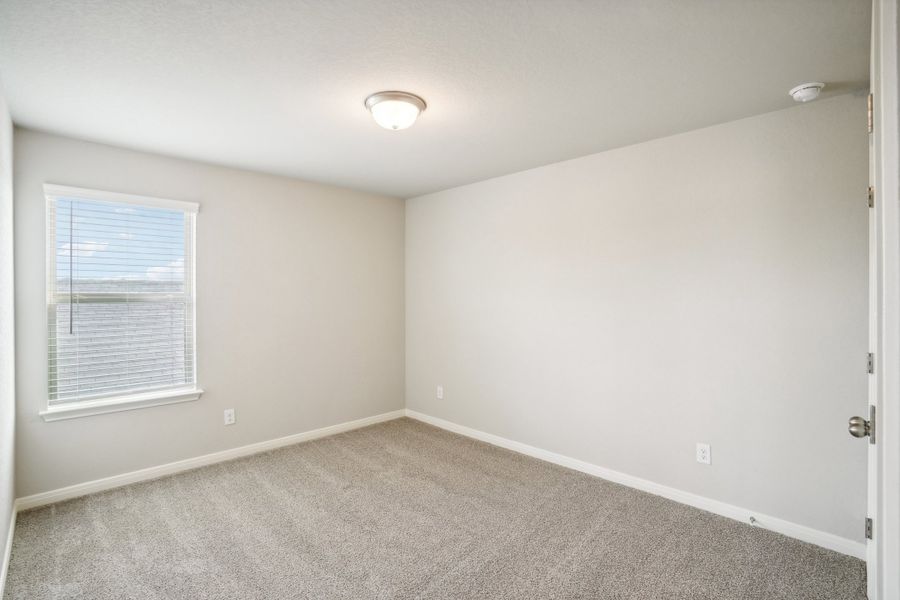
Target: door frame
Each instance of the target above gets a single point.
(883, 550)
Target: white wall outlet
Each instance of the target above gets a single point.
(229, 416)
(440, 392)
(703, 454)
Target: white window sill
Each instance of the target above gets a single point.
(119, 403)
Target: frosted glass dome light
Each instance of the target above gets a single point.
(395, 110)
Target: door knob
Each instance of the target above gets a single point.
(858, 427)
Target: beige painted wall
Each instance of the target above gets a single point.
(7, 327)
(299, 310)
(619, 308)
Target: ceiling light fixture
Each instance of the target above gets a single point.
(806, 91)
(395, 110)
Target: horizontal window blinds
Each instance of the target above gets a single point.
(120, 297)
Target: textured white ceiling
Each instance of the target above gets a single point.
(278, 85)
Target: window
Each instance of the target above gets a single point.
(120, 302)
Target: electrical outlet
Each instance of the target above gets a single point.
(703, 454)
(229, 416)
(440, 392)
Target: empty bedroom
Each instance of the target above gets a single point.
(421, 299)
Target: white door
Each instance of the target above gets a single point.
(883, 549)
(872, 495)
(868, 427)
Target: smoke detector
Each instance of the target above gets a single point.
(806, 91)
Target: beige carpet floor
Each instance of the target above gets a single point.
(404, 510)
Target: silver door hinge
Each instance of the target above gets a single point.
(871, 197)
(868, 529)
(870, 101)
(870, 363)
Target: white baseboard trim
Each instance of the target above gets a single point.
(108, 483)
(7, 551)
(794, 530)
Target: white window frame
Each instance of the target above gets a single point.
(121, 402)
